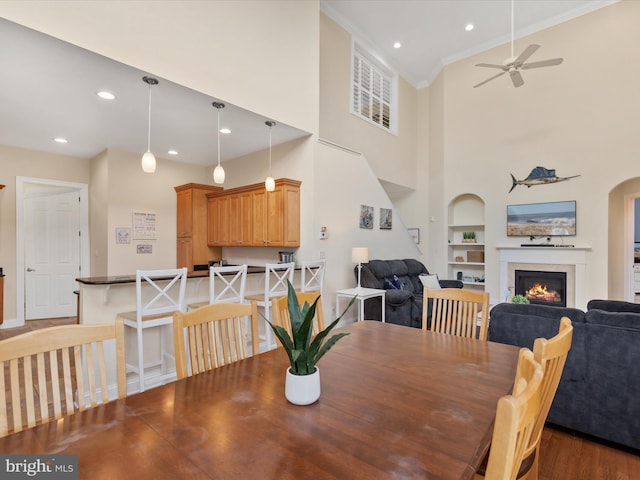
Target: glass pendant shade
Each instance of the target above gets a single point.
(270, 184)
(148, 163)
(218, 174)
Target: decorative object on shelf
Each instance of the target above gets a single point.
(148, 161)
(359, 255)
(302, 384)
(468, 237)
(513, 64)
(520, 299)
(475, 256)
(366, 216)
(539, 176)
(269, 183)
(459, 258)
(385, 219)
(218, 172)
(414, 233)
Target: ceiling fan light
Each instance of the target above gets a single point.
(148, 163)
(269, 184)
(218, 175)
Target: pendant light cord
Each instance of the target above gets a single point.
(149, 131)
(270, 128)
(218, 136)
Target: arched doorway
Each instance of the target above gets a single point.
(621, 239)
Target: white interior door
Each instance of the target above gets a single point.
(52, 252)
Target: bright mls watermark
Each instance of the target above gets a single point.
(53, 467)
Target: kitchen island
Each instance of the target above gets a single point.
(102, 298)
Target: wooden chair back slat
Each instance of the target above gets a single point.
(456, 311)
(280, 307)
(43, 372)
(214, 335)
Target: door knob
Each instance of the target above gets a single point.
(31, 269)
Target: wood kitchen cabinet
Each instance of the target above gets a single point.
(251, 216)
(192, 247)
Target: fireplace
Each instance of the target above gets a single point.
(542, 287)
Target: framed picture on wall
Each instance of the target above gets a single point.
(385, 219)
(123, 235)
(366, 217)
(415, 235)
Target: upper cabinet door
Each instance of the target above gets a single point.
(184, 217)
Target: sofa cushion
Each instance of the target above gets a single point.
(429, 281)
(613, 306)
(614, 319)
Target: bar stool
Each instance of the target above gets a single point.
(275, 285)
(226, 285)
(312, 275)
(167, 289)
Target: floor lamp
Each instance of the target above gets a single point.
(359, 255)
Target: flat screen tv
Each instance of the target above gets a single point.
(551, 219)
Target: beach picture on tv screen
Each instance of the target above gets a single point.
(542, 219)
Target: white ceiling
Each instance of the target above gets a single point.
(432, 32)
(48, 87)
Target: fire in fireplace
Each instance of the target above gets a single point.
(544, 288)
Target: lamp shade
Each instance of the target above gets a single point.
(270, 184)
(218, 175)
(359, 255)
(148, 163)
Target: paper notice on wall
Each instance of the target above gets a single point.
(144, 226)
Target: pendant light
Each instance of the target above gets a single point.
(148, 159)
(269, 183)
(218, 172)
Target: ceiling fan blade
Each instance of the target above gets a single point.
(530, 50)
(542, 63)
(516, 78)
(489, 79)
(490, 65)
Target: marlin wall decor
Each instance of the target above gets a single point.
(539, 176)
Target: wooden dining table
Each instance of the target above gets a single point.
(396, 403)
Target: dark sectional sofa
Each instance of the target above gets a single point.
(599, 392)
(403, 306)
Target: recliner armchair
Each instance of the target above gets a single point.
(403, 306)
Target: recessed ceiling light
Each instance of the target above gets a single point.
(225, 130)
(106, 95)
(172, 152)
(60, 140)
(397, 45)
(469, 26)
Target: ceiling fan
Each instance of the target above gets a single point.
(513, 65)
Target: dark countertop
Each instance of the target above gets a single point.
(114, 280)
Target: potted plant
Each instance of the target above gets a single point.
(468, 237)
(302, 386)
(520, 299)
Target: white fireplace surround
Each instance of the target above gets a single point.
(572, 260)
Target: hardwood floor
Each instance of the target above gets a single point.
(564, 455)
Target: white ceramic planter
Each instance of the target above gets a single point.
(302, 389)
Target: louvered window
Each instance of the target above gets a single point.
(372, 96)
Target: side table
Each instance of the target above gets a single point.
(361, 294)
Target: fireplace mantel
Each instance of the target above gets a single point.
(574, 258)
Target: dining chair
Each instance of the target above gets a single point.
(312, 275)
(280, 307)
(516, 415)
(213, 335)
(56, 371)
(551, 354)
(159, 293)
(455, 311)
(226, 284)
(276, 276)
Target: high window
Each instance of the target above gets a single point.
(373, 90)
